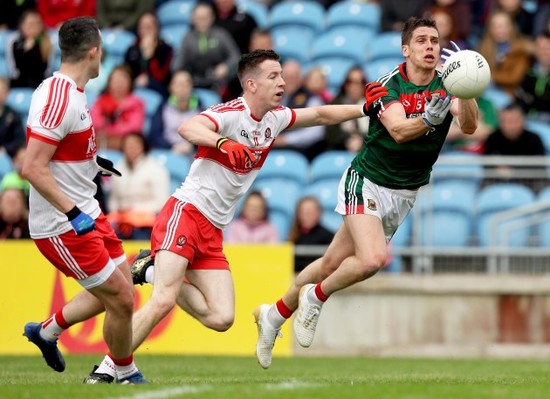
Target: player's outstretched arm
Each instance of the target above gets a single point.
(466, 113)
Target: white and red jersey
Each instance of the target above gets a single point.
(59, 116)
(213, 185)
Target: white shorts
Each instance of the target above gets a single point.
(358, 195)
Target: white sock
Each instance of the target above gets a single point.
(274, 317)
(107, 367)
(50, 329)
(150, 274)
(125, 371)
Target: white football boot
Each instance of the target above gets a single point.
(305, 320)
(266, 336)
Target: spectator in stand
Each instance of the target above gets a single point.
(349, 135)
(14, 179)
(487, 123)
(14, 214)
(460, 29)
(138, 195)
(28, 52)
(12, 135)
(150, 57)
(512, 139)
(180, 106)
(122, 14)
(534, 91)
(309, 141)
(506, 50)
(117, 112)
(207, 52)
(316, 82)
(308, 230)
(396, 12)
(541, 22)
(55, 12)
(240, 25)
(253, 225)
(523, 18)
(12, 10)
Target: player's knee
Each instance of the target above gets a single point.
(372, 263)
(163, 305)
(220, 322)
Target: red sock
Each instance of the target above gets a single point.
(283, 309)
(320, 294)
(60, 320)
(122, 362)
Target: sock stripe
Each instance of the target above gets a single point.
(283, 310)
(320, 294)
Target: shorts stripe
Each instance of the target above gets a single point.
(66, 256)
(172, 225)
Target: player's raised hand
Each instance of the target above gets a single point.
(238, 153)
(436, 111)
(373, 91)
(446, 53)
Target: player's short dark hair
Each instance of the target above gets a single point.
(250, 61)
(77, 36)
(414, 23)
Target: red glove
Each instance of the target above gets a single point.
(238, 154)
(373, 91)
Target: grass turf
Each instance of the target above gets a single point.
(24, 377)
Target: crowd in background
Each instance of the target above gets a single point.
(513, 35)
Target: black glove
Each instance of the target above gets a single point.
(106, 167)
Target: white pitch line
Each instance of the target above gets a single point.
(167, 393)
(291, 385)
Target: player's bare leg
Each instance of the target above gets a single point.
(209, 297)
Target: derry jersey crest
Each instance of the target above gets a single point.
(59, 116)
(213, 185)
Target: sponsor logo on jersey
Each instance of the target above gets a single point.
(371, 204)
(180, 242)
(244, 133)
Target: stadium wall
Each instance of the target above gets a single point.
(389, 315)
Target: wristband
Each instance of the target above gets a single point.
(73, 213)
(364, 109)
(220, 141)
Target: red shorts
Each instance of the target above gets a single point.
(182, 229)
(82, 256)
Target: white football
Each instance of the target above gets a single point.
(466, 74)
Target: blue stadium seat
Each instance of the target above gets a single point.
(543, 228)
(173, 35)
(375, 69)
(256, 10)
(306, 13)
(5, 164)
(175, 12)
(401, 238)
(281, 198)
(19, 98)
(176, 164)
(500, 197)
(446, 214)
(113, 155)
(3, 67)
(331, 220)
(292, 42)
(385, 45)
(458, 166)
(4, 37)
(116, 42)
(326, 191)
(498, 97)
(342, 42)
(330, 165)
(207, 97)
(152, 100)
(286, 164)
(352, 13)
(335, 69)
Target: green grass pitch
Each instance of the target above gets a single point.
(23, 377)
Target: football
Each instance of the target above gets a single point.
(466, 74)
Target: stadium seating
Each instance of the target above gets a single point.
(207, 97)
(256, 10)
(543, 228)
(175, 12)
(309, 14)
(335, 69)
(542, 129)
(19, 98)
(330, 165)
(375, 69)
(351, 13)
(385, 45)
(152, 100)
(498, 97)
(5, 164)
(458, 166)
(446, 212)
(331, 220)
(286, 164)
(496, 198)
(341, 42)
(292, 42)
(173, 35)
(116, 42)
(176, 164)
(326, 191)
